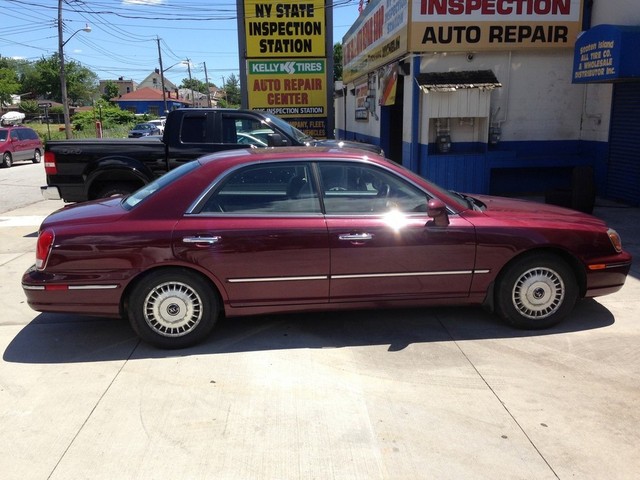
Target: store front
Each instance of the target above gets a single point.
(482, 100)
(611, 54)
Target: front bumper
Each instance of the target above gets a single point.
(607, 275)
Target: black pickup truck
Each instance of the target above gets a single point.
(79, 170)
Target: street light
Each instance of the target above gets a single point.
(162, 70)
(63, 78)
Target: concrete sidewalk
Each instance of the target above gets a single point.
(445, 393)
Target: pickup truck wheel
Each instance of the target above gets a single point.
(173, 308)
(7, 160)
(37, 156)
(116, 189)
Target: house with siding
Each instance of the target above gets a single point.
(150, 101)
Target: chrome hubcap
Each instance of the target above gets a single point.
(173, 309)
(538, 293)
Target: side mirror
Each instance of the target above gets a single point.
(276, 140)
(437, 210)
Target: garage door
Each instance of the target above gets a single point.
(623, 181)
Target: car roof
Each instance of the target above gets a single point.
(250, 155)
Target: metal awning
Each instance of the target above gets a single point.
(607, 53)
(452, 81)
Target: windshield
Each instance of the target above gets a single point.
(447, 196)
(290, 130)
(158, 184)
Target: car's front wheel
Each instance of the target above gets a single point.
(536, 291)
(37, 156)
(173, 308)
(7, 160)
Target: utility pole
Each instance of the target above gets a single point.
(224, 89)
(63, 75)
(164, 93)
(63, 78)
(193, 98)
(206, 79)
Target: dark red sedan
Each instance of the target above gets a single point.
(292, 230)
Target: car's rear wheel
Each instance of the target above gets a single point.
(173, 308)
(37, 156)
(536, 291)
(7, 160)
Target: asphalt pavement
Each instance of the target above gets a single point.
(442, 393)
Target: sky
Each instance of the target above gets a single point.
(123, 41)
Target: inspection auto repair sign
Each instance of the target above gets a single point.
(474, 25)
(285, 28)
(288, 87)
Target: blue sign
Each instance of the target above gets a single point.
(607, 53)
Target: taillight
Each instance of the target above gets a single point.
(43, 248)
(50, 167)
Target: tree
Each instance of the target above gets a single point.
(82, 83)
(13, 71)
(29, 106)
(337, 62)
(44, 81)
(231, 90)
(194, 84)
(9, 85)
(110, 91)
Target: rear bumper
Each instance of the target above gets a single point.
(50, 193)
(69, 192)
(44, 294)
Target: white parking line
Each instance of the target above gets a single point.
(24, 221)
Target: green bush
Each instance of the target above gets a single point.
(110, 116)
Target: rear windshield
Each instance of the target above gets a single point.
(158, 184)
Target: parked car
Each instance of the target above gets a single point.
(19, 143)
(257, 231)
(248, 139)
(144, 130)
(159, 123)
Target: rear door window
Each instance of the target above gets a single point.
(279, 188)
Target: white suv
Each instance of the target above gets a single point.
(158, 123)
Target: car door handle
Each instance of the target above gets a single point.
(199, 239)
(355, 237)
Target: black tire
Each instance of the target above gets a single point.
(583, 193)
(37, 156)
(7, 160)
(536, 291)
(115, 189)
(173, 308)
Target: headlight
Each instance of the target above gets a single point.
(615, 239)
